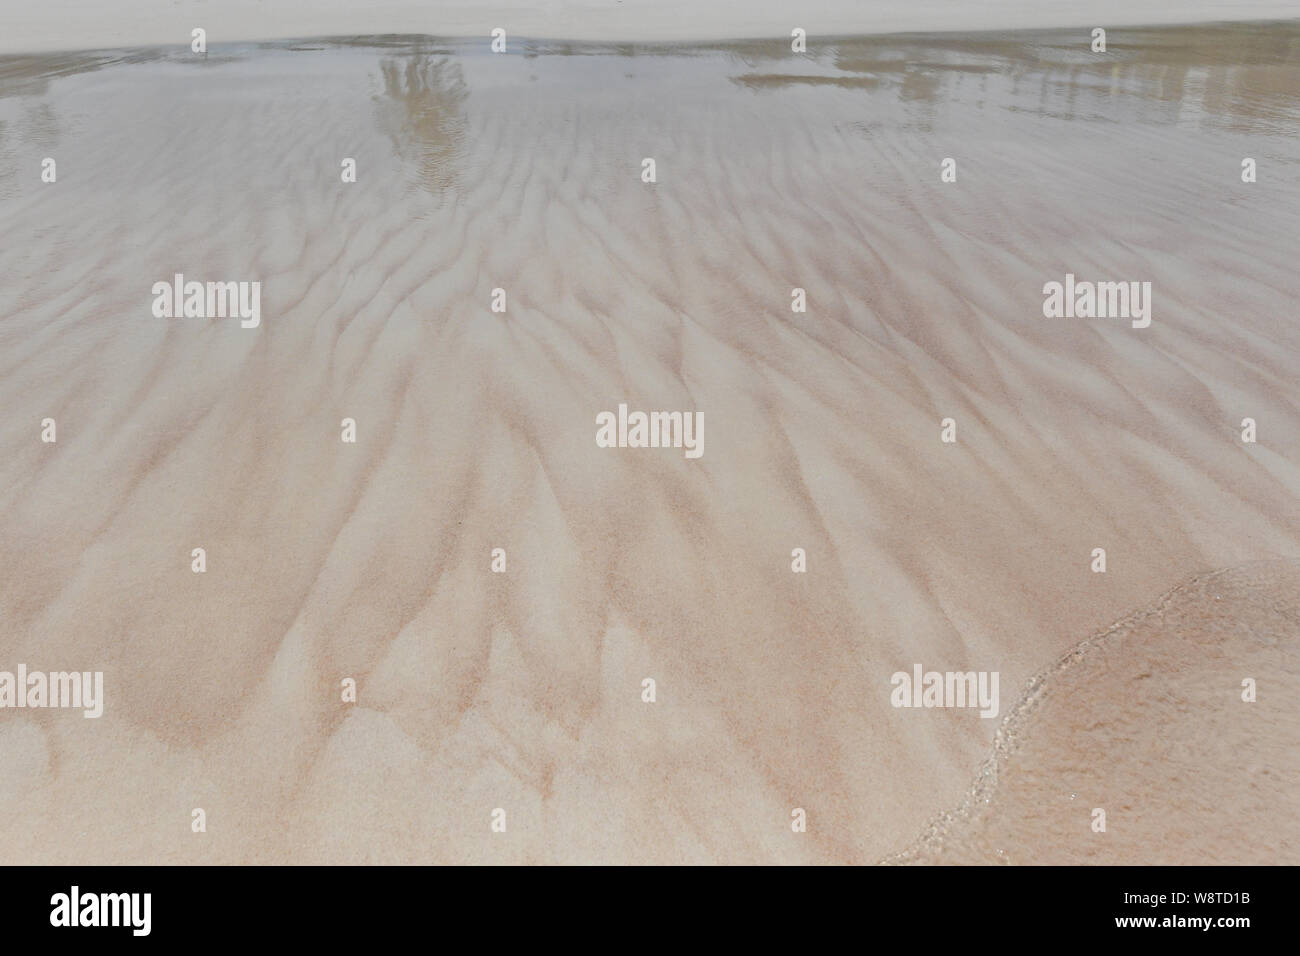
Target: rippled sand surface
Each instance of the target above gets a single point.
(476, 430)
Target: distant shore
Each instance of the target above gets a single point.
(65, 25)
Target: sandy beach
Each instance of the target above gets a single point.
(522, 689)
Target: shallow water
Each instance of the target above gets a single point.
(1158, 723)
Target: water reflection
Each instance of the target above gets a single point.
(422, 110)
(1239, 76)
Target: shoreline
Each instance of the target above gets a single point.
(462, 45)
(944, 833)
(984, 787)
(232, 26)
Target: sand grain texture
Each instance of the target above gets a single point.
(1139, 722)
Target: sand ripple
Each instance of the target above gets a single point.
(476, 431)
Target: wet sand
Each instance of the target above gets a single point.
(475, 430)
(1140, 722)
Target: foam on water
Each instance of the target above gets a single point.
(1146, 720)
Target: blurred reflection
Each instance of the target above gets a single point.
(422, 110)
(1236, 76)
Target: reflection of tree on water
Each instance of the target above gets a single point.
(423, 112)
